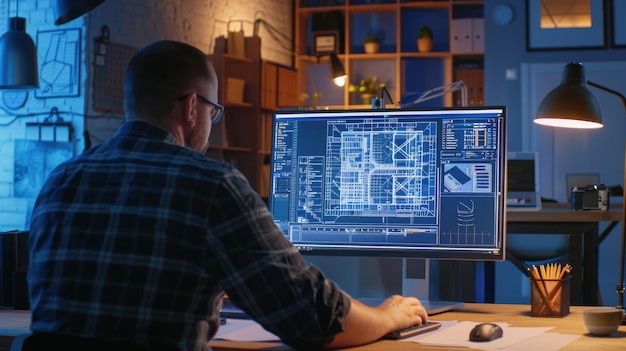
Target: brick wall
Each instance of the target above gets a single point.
(67, 79)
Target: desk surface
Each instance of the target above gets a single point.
(516, 315)
(560, 213)
(16, 322)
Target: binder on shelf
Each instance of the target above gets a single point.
(462, 35)
(478, 35)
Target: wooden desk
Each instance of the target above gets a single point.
(582, 227)
(516, 315)
(13, 323)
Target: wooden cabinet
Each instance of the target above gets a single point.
(398, 63)
(287, 90)
(268, 86)
(243, 136)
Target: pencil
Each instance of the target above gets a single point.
(541, 289)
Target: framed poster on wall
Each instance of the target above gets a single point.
(558, 25)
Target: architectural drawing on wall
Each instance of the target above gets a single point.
(33, 162)
(59, 58)
(14, 99)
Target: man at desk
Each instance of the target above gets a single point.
(133, 243)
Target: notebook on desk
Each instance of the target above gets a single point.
(523, 181)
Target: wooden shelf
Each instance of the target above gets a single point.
(229, 148)
(243, 138)
(237, 104)
(398, 62)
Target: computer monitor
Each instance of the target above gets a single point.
(427, 183)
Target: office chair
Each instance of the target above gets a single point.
(525, 250)
(18, 342)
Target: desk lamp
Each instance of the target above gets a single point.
(337, 72)
(419, 97)
(416, 98)
(572, 105)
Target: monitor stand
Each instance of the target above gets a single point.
(372, 279)
(416, 282)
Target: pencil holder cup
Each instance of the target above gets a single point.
(550, 297)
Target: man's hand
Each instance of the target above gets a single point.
(403, 312)
(365, 324)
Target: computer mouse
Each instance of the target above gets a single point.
(485, 332)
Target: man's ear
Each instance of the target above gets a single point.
(189, 111)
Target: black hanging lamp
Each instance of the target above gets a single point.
(18, 58)
(67, 10)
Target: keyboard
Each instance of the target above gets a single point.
(229, 310)
(414, 330)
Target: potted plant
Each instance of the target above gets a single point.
(371, 44)
(425, 39)
(367, 88)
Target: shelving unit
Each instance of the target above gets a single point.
(243, 136)
(398, 64)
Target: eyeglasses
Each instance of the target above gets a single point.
(216, 111)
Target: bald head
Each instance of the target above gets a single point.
(159, 73)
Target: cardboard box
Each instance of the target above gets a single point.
(234, 90)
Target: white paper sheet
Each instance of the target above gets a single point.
(458, 336)
(544, 342)
(244, 330)
(451, 333)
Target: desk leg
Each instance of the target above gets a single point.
(590, 262)
(576, 254)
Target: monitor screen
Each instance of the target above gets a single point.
(426, 183)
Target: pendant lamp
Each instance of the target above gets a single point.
(67, 10)
(18, 57)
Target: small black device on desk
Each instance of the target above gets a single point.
(485, 332)
(414, 330)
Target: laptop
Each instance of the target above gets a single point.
(523, 181)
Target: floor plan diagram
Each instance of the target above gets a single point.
(382, 168)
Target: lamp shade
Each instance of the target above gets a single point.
(337, 72)
(67, 10)
(571, 104)
(18, 57)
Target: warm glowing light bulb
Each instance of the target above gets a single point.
(340, 81)
(568, 123)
